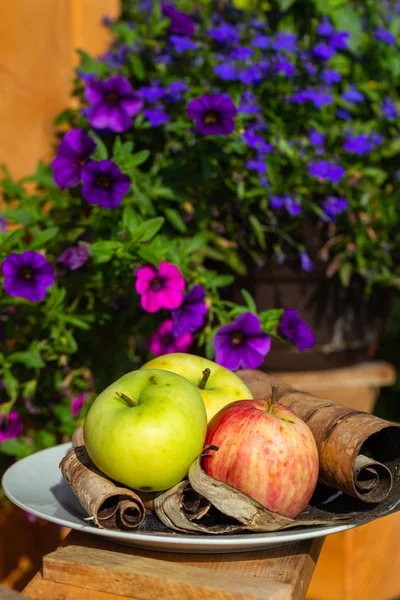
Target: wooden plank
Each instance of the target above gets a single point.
(40, 589)
(292, 564)
(370, 374)
(145, 578)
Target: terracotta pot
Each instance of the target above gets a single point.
(347, 324)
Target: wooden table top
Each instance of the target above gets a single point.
(87, 567)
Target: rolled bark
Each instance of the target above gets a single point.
(359, 453)
(107, 504)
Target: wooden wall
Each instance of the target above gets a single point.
(37, 56)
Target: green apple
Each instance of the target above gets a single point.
(218, 386)
(146, 429)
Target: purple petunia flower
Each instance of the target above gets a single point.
(160, 288)
(27, 275)
(284, 66)
(213, 114)
(163, 341)
(327, 171)
(152, 93)
(389, 109)
(256, 142)
(104, 184)
(343, 114)
(359, 144)
(326, 29)
(292, 204)
(352, 95)
(176, 89)
(317, 138)
(241, 344)
(296, 330)
(225, 71)
(306, 262)
(113, 103)
(339, 40)
(386, 36)
(190, 315)
(180, 22)
(182, 44)
(10, 426)
(319, 98)
(285, 41)
(73, 152)
(257, 164)
(334, 206)
(330, 76)
(3, 224)
(242, 53)
(224, 34)
(261, 41)
(252, 75)
(74, 256)
(323, 51)
(156, 116)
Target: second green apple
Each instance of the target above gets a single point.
(219, 388)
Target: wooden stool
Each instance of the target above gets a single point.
(87, 567)
(363, 563)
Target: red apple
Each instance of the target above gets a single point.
(265, 451)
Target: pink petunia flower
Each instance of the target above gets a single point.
(78, 402)
(160, 288)
(163, 342)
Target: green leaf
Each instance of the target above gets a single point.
(14, 448)
(103, 252)
(147, 230)
(139, 158)
(10, 383)
(40, 239)
(345, 273)
(222, 280)
(101, 152)
(249, 301)
(137, 66)
(30, 358)
(175, 219)
(210, 344)
(11, 238)
(258, 230)
(89, 64)
(284, 5)
(129, 218)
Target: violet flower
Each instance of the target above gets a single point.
(27, 275)
(113, 103)
(74, 256)
(163, 341)
(190, 315)
(73, 152)
(386, 36)
(104, 184)
(327, 171)
(157, 116)
(334, 206)
(160, 288)
(306, 262)
(3, 224)
(389, 109)
(213, 114)
(78, 402)
(180, 22)
(241, 344)
(296, 330)
(10, 426)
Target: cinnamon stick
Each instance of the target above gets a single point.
(359, 453)
(109, 505)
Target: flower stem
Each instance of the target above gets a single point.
(274, 397)
(126, 398)
(206, 375)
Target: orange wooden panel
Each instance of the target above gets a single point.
(37, 43)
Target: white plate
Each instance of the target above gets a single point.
(36, 485)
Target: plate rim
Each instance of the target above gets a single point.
(245, 541)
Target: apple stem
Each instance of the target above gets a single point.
(126, 398)
(206, 375)
(274, 397)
